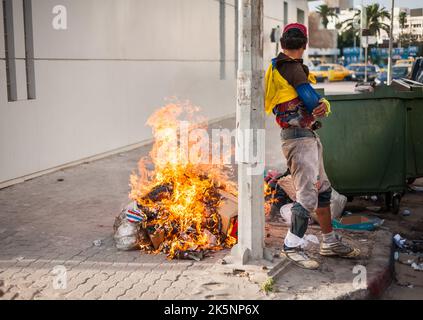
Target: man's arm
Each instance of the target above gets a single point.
(315, 104)
(297, 77)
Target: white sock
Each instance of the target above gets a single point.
(292, 240)
(329, 237)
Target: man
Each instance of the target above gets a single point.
(296, 106)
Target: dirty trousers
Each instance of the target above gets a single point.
(304, 154)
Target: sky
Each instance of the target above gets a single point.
(386, 3)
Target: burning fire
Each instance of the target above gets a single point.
(180, 198)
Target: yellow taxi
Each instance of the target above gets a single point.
(330, 72)
(409, 61)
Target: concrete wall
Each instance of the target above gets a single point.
(98, 81)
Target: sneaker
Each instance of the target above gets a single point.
(338, 248)
(300, 258)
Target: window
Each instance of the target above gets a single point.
(285, 13)
(324, 68)
(300, 16)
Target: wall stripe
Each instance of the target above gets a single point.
(236, 38)
(222, 38)
(29, 49)
(9, 45)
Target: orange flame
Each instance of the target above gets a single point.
(181, 198)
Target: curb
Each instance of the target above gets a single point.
(380, 269)
(382, 279)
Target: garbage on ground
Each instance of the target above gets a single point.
(192, 255)
(415, 246)
(134, 214)
(275, 195)
(406, 213)
(337, 204)
(287, 184)
(418, 267)
(357, 222)
(309, 240)
(97, 243)
(408, 261)
(399, 241)
(126, 236)
(228, 210)
(156, 237)
(285, 195)
(286, 213)
(416, 188)
(138, 227)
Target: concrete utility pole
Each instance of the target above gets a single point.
(361, 30)
(250, 116)
(391, 40)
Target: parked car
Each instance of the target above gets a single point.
(405, 61)
(398, 71)
(417, 70)
(330, 72)
(357, 72)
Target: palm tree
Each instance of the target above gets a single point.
(325, 13)
(376, 16)
(402, 18)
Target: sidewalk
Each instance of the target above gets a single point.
(53, 220)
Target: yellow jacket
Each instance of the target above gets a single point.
(277, 89)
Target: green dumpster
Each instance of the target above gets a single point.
(414, 135)
(365, 142)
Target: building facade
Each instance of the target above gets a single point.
(414, 24)
(79, 78)
(323, 42)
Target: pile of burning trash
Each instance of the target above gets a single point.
(179, 207)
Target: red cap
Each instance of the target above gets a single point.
(298, 26)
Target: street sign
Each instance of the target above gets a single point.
(365, 32)
(364, 42)
(368, 40)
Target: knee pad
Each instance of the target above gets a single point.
(299, 220)
(300, 211)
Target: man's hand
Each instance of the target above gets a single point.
(320, 111)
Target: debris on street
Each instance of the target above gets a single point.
(97, 243)
(408, 260)
(406, 213)
(282, 194)
(357, 222)
(181, 208)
